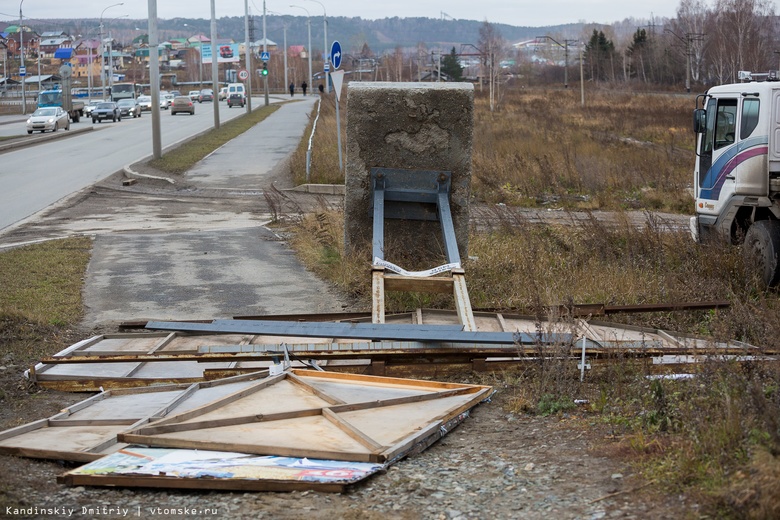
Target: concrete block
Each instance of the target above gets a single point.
(413, 126)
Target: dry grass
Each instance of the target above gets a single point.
(717, 436)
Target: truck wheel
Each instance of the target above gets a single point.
(762, 250)
(29, 131)
(76, 117)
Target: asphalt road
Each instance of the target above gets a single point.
(33, 178)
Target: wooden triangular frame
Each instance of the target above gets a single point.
(306, 413)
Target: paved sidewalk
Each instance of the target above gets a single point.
(202, 272)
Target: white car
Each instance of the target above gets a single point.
(145, 102)
(48, 118)
(194, 95)
(166, 100)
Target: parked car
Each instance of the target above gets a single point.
(106, 110)
(48, 118)
(182, 104)
(236, 99)
(223, 93)
(145, 102)
(129, 107)
(206, 95)
(193, 95)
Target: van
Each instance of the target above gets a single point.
(236, 88)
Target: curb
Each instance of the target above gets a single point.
(26, 141)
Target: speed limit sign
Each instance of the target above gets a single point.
(243, 74)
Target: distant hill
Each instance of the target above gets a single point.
(380, 35)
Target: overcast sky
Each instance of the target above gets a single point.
(532, 13)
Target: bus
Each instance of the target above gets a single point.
(83, 92)
(122, 91)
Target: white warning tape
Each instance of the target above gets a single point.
(418, 274)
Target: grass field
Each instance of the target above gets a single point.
(717, 436)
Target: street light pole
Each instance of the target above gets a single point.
(308, 23)
(565, 46)
(265, 49)
(21, 56)
(102, 49)
(325, 50)
(248, 52)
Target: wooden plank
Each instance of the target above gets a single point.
(309, 388)
(435, 284)
(377, 295)
(358, 378)
(407, 443)
(24, 428)
(164, 482)
(53, 423)
(201, 410)
(462, 303)
(352, 431)
(164, 342)
(157, 429)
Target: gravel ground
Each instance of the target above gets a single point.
(495, 465)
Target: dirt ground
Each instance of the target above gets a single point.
(495, 465)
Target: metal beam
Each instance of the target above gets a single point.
(371, 331)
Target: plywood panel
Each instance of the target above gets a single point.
(129, 406)
(63, 439)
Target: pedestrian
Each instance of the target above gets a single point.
(292, 89)
(322, 88)
(304, 86)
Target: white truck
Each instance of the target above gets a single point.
(737, 172)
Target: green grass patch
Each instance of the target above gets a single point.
(184, 157)
(41, 295)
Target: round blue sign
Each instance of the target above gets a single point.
(335, 54)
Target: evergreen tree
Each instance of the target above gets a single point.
(451, 66)
(599, 55)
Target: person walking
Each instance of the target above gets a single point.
(292, 89)
(303, 87)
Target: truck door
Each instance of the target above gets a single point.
(750, 161)
(715, 146)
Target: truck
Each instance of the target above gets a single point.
(737, 169)
(56, 98)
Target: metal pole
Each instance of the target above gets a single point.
(248, 52)
(265, 49)
(214, 63)
(154, 78)
(102, 48)
(582, 79)
(21, 56)
(285, 55)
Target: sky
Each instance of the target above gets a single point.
(533, 13)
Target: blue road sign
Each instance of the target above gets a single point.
(265, 56)
(335, 54)
(327, 67)
(22, 71)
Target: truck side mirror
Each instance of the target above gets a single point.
(699, 120)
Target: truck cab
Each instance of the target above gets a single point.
(737, 169)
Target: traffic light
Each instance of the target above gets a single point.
(265, 69)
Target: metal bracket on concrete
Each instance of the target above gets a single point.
(416, 195)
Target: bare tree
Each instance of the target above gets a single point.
(743, 37)
(690, 24)
(493, 47)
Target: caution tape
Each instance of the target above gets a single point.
(417, 274)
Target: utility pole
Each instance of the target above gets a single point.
(214, 63)
(21, 57)
(265, 49)
(248, 51)
(565, 46)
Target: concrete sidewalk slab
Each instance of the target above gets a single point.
(243, 162)
(199, 275)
